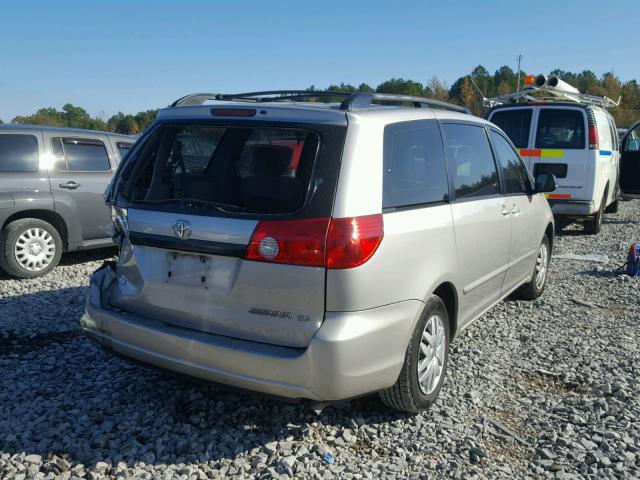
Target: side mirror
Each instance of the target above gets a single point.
(545, 182)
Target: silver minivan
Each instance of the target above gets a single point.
(316, 250)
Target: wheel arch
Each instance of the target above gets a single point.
(48, 216)
(447, 292)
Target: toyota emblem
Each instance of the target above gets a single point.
(182, 229)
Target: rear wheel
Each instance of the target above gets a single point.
(594, 224)
(615, 206)
(29, 248)
(425, 362)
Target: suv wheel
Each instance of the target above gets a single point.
(29, 248)
(594, 225)
(425, 362)
(534, 288)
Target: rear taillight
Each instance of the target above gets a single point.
(294, 242)
(593, 137)
(352, 241)
(332, 243)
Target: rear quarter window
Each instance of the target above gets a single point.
(415, 170)
(561, 129)
(18, 153)
(515, 123)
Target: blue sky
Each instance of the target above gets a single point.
(136, 55)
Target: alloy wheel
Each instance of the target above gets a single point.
(431, 354)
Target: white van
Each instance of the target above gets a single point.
(578, 143)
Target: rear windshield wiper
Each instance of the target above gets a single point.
(197, 203)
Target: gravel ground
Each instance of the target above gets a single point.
(545, 389)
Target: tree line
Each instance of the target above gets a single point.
(462, 92)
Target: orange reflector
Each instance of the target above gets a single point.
(530, 152)
(529, 80)
(558, 195)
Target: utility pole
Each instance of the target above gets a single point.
(519, 62)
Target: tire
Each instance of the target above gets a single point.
(407, 394)
(615, 206)
(39, 242)
(594, 225)
(534, 288)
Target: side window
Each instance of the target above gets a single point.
(516, 123)
(514, 173)
(615, 140)
(560, 128)
(123, 148)
(471, 162)
(632, 140)
(18, 153)
(415, 169)
(604, 132)
(80, 155)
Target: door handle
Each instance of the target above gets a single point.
(71, 185)
(515, 210)
(505, 210)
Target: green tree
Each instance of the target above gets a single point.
(438, 90)
(401, 86)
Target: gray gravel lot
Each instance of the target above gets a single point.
(546, 389)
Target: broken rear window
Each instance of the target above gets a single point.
(248, 169)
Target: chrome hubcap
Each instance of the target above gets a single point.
(542, 263)
(431, 356)
(34, 250)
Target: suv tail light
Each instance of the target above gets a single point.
(332, 243)
(593, 137)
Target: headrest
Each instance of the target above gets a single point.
(270, 160)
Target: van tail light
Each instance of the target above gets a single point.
(593, 137)
(294, 242)
(332, 243)
(352, 241)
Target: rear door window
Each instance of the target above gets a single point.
(514, 173)
(560, 129)
(80, 154)
(470, 160)
(123, 148)
(415, 169)
(238, 169)
(516, 123)
(18, 153)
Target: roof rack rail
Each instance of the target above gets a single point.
(366, 99)
(553, 96)
(351, 101)
(266, 96)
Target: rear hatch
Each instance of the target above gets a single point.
(552, 139)
(224, 227)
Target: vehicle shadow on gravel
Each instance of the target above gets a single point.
(64, 398)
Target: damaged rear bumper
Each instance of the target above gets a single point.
(353, 353)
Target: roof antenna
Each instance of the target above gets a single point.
(477, 88)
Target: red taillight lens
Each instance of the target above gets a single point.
(593, 137)
(335, 243)
(294, 242)
(352, 241)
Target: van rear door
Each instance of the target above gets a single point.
(560, 147)
(630, 162)
(198, 198)
(516, 122)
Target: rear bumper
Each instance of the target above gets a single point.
(579, 208)
(353, 353)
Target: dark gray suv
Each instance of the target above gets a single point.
(52, 182)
